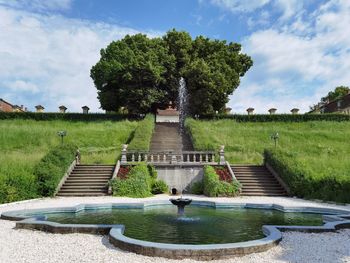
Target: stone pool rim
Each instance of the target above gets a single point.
(334, 219)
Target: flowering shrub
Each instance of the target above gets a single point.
(224, 174)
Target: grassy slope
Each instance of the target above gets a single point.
(24, 142)
(321, 146)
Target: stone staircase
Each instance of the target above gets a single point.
(166, 137)
(87, 180)
(257, 180)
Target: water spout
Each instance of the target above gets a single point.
(182, 103)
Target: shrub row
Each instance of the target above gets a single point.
(306, 183)
(52, 167)
(67, 116)
(141, 138)
(141, 181)
(278, 117)
(212, 186)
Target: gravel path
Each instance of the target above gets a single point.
(35, 246)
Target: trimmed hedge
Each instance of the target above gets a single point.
(52, 167)
(67, 116)
(142, 136)
(278, 117)
(141, 182)
(212, 186)
(306, 183)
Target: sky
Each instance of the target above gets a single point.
(300, 48)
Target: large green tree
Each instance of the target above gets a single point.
(141, 74)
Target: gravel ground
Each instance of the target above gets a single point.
(35, 246)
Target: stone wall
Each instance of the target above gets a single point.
(180, 177)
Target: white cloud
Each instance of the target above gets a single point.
(51, 56)
(295, 66)
(38, 5)
(22, 86)
(240, 6)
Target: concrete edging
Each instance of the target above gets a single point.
(335, 219)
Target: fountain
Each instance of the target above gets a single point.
(182, 103)
(181, 203)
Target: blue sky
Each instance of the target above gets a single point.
(300, 48)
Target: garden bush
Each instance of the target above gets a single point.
(52, 167)
(277, 117)
(141, 181)
(212, 186)
(141, 139)
(305, 181)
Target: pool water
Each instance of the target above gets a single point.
(200, 225)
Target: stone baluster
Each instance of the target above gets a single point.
(139, 158)
(181, 158)
(158, 158)
(206, 157)
(188, 158)
(146, 157)
(124, 151)
(222, 155)
(133, 157)
(200, 157)
(152, 158)
(164, 158)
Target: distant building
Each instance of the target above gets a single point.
(341, 105)
(8, 107)
(294, 111)
(168, 115)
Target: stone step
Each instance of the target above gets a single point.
(83, 190)
(86, 184)
(81, 194)
(90, 174)
(263, 194)
(83, 187)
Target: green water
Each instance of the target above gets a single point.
(199, 225)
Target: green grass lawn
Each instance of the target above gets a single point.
(323, 147)
(25, 142)
(312, 157)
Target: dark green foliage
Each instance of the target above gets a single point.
(142, 135)
(276, 117)
(212, 186)
(141, 182)
(52, 167)
(66, 116)
(159, 187)
(305, 182)
(142, 74)
(197, 188)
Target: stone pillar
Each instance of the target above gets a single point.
(294, 111)
(62, 109)
(77, 157)
(250, 111)
(173, 158)
(124, 151)
(222, 160)
(85, 109)
(272, 111)
(39, 108)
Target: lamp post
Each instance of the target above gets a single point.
(62, 134)
(275, 137)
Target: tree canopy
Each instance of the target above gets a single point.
(141, 74)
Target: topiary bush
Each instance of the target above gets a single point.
(212, 186)
(52, 167)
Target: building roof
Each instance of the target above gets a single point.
(39, 107)
(85, 107)
(62, 107)
(250, 109)
(4, 101)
